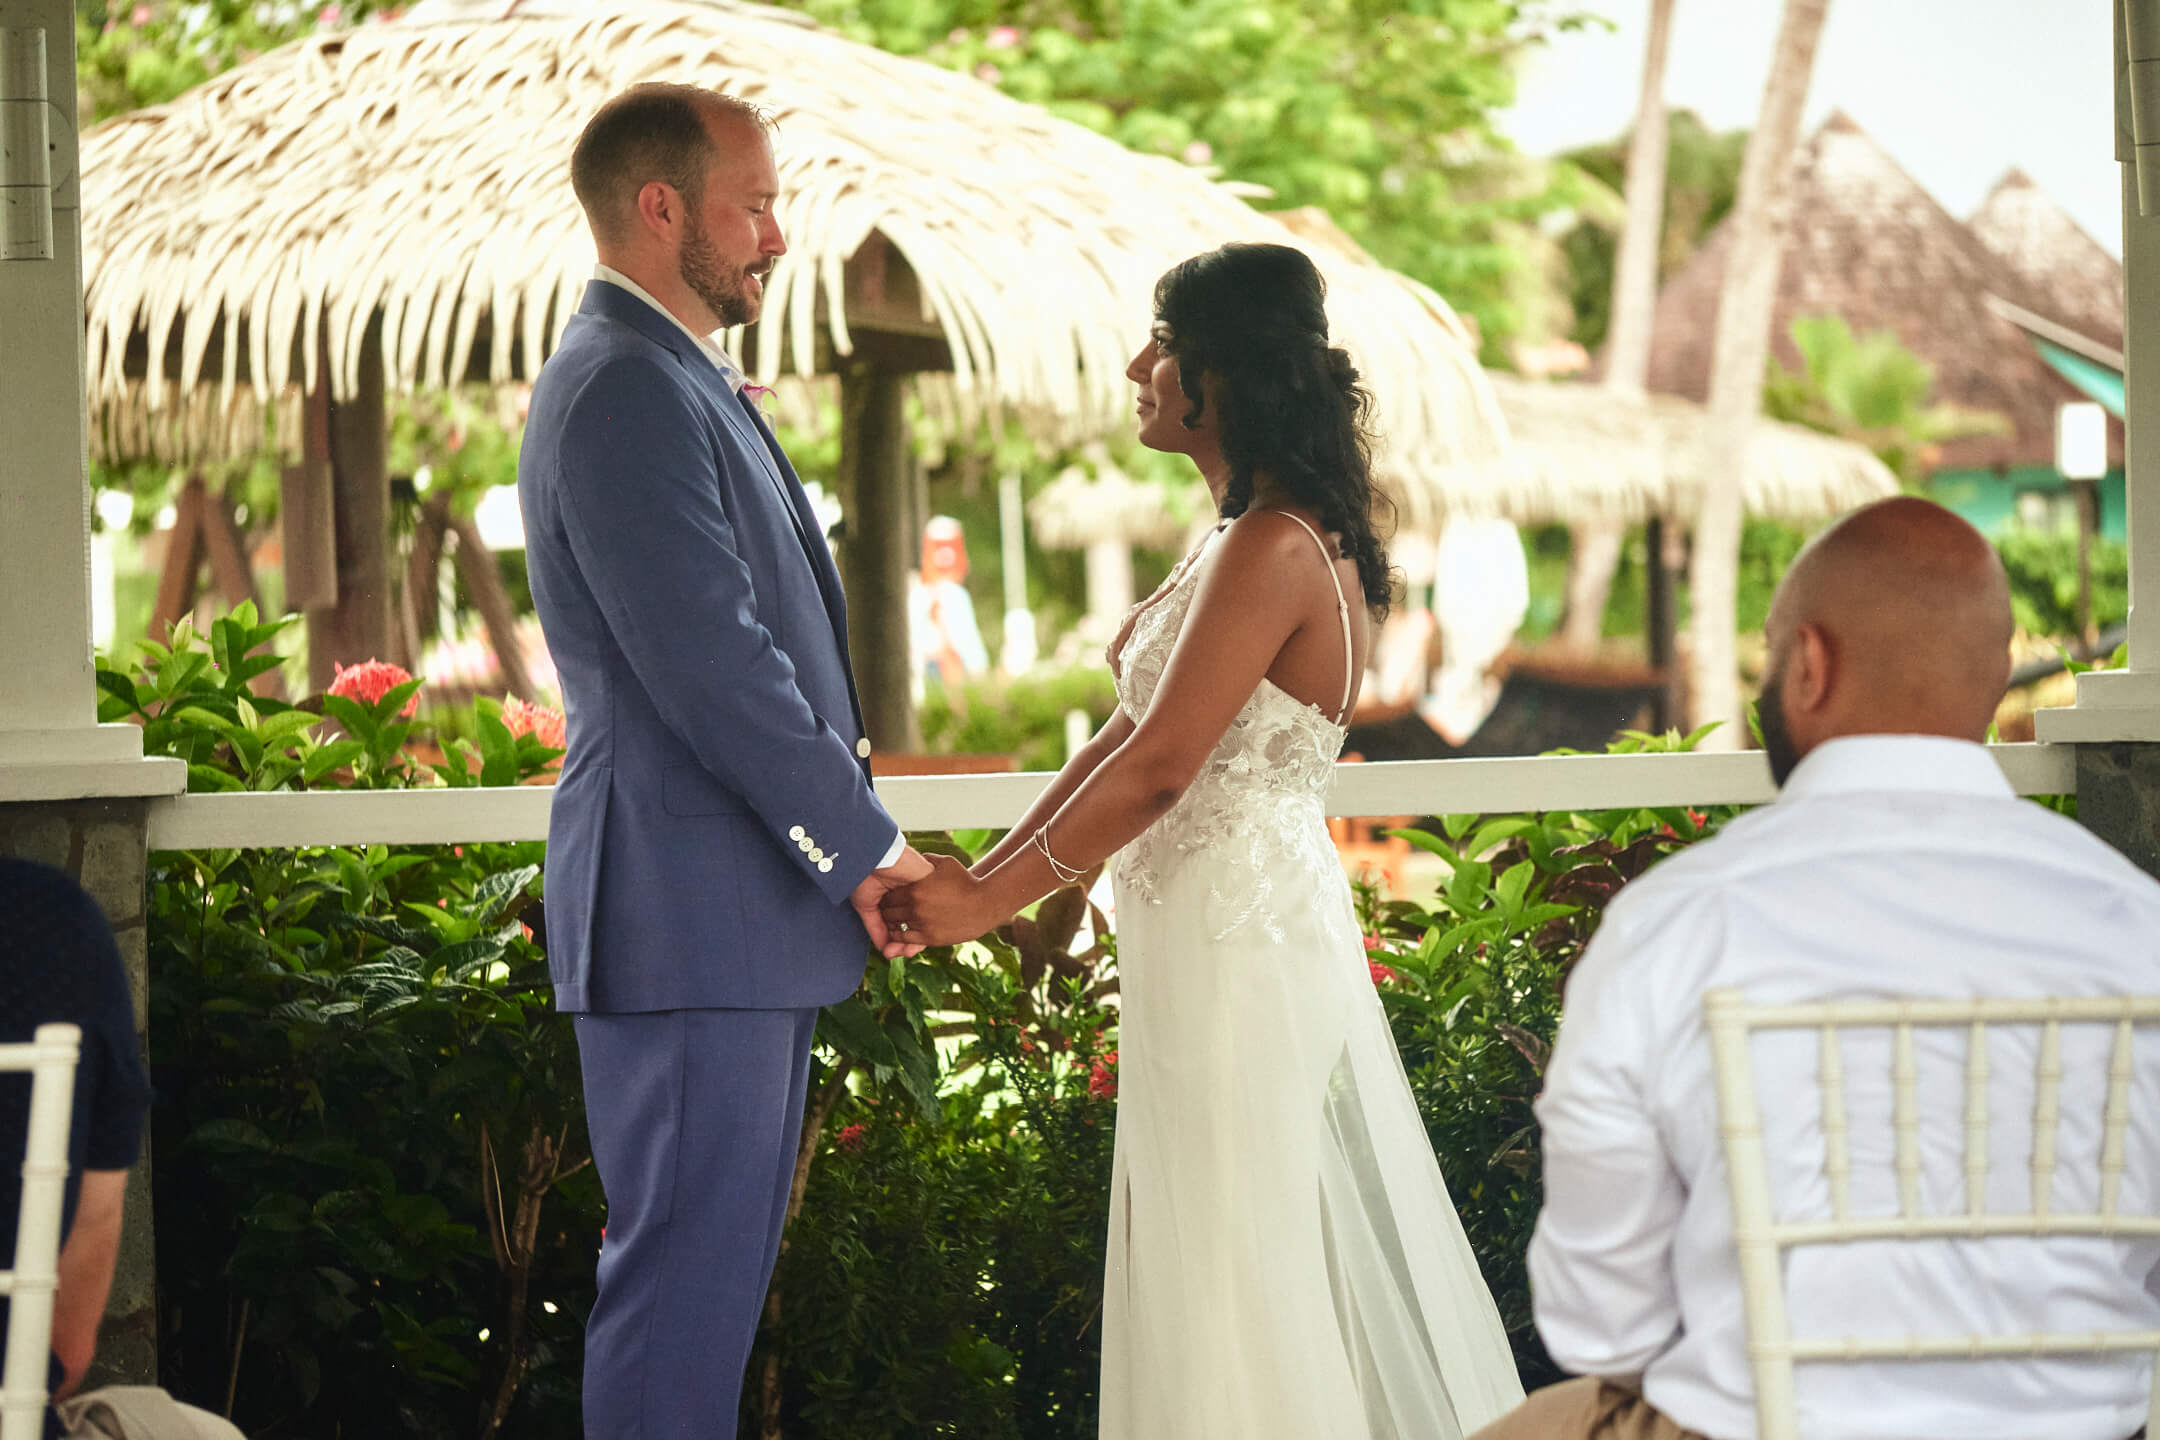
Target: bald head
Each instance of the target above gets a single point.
(1895, 620)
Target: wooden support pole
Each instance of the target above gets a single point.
(183, 558)
(476, 563)
(1661, 618)
(357, 626)
(878, 548)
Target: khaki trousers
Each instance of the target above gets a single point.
(1591, 1409)
(139, 1412)
(1584, 1409)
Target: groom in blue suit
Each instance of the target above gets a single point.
(715, 852)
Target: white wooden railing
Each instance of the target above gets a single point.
(1420, 787)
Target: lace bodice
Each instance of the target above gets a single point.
(1258, 801)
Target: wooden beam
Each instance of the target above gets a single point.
(357, 626)
(483, 581)
(877, 550)
(183, 558)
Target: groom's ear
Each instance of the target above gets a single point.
(660, 208)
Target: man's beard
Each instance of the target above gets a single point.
(1776, 737)
(709, 280)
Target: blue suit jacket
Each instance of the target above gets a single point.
(713, 812)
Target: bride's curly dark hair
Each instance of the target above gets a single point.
(1255, 316)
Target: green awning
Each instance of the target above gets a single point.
(2103, 383)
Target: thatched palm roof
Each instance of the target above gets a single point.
(1868, 243)
(2077, 283)
(1583, 451)
(419, 170)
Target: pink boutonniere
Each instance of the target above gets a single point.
(758, 394)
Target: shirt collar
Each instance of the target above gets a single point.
(1852, 764)
(719, 357)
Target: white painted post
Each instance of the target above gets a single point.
(2124, 704)
(1017, 652)
(48, 692)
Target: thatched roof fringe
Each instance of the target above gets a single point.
(415, 171)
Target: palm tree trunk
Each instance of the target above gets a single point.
(1594, 554)
(1761, 211)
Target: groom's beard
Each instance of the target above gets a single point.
(724, 289)
(1776, 738)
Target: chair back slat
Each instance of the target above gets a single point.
(50, 1058)
(2047, 1116)
(1762, 1286)
(1976, 1120)
(1905, 1080)
(1836, 1129)
(2116, 1125)
(1760, 1241)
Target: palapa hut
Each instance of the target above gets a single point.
(2078, 332)
(1580, 451)
(1102, 510)
(2078, 283)
(1866, 242)
(388, 207)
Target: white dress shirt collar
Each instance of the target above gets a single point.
(713, 352)
(1853, 764)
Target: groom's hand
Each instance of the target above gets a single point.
(905, 871)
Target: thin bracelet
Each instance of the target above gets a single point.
(1061, 870)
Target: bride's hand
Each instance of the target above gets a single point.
(944, 909)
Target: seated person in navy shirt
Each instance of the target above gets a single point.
(58, 963)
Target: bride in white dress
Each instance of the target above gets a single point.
(1284, 1261)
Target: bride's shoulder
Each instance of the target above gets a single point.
(1269, 540)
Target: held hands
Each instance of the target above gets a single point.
(944, 909)
(876, 886)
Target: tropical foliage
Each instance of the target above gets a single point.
(376, 1209)
(1872, 390)
(1702, 175)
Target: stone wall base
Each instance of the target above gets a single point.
(2118, 795)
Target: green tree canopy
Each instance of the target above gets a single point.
(1702, 174)
(1870, 389)
(1379, 111)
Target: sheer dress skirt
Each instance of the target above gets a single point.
(1283, 1257)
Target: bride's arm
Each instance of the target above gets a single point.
(1242, 615)
(1083, 763)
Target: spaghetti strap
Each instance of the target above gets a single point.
(1342, 612)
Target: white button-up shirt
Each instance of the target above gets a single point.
(735, 380)
(1890, 866)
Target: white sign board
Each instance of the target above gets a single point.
(2081, 440)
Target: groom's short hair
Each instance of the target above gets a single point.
(650, 132)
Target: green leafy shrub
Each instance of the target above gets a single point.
(376, 1214)
(2044, 581)
(945, 1277)
(1024, 717)
(1472, 983)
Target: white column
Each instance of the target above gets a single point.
(2125, 704)
(51, 746)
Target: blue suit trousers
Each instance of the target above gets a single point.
(694, 1116)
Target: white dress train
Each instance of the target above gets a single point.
(1284, 1262)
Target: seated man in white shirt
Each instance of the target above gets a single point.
(1896, 862)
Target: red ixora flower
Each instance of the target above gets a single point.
(370, 680)
(547, 726)
(850, 1137)
(1381, 974)
(1373, 942)
(1102, 1079)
